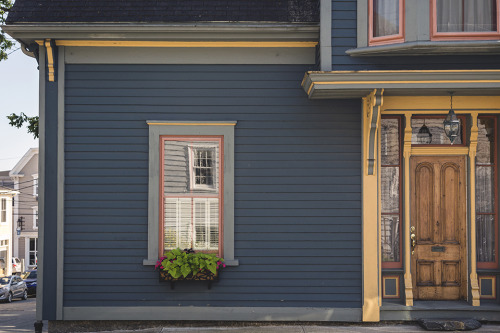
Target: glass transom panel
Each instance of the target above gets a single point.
(436, 129)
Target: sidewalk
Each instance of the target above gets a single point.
(407, 328)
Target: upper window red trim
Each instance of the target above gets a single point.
(384, 40)
(436, 36)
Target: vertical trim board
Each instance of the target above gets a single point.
(41, 185)
(60, 184)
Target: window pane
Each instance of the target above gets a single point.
(466, 15)
(385, 17)
(389, 142)
(436, 129)
(486, 141)
(485, 238)
(390, 238)
(390, 189)
(485, 190)
(190, 167)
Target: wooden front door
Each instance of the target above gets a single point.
(438, 215)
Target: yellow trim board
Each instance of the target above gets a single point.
(447, 150)
(440, 104)
(109, 43)
(406, 82)
(409, 71)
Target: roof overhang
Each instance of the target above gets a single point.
(357, 84)
(18, 168)
(213, 31)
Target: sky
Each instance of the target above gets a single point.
(18, 93)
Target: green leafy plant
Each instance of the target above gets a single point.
(179, 263)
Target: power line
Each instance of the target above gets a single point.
(14, 51)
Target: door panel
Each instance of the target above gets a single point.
(438, 213)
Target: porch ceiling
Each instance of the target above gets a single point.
(357, 84)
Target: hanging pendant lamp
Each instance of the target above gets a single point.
(424, 136)
(451, 123)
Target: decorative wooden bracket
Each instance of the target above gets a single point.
(373, 103)
(50, 59)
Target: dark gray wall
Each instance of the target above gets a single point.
(344, 37)
(297, 185)
(50, 203)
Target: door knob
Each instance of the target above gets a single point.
(413, 239)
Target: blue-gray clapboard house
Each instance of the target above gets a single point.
(340, 155)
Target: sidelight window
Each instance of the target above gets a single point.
(391, 192)
(486, 194)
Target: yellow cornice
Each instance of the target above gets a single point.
(406, 82)
(104, 43)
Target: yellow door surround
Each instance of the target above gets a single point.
(375, 105)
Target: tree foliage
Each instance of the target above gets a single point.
(19, 120)
(5, 44)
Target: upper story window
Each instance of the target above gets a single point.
(386, 21)
(3, 210)
(464, 19)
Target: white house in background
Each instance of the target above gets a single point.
(25, 222)
(6, 195)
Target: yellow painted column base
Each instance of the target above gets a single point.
(474, 286)
(408, 291)
(371, 310)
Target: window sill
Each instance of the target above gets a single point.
(235, 262)
(429, 48)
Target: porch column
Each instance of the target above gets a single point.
(371, 235)
(474, 285)
(407, 250)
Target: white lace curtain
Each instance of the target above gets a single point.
(466, 15)
(385, 17)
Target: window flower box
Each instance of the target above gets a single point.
(187, 265)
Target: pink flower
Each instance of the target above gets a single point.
(224, 265)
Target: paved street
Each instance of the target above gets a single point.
(18, 316)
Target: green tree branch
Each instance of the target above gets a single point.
(5, 45)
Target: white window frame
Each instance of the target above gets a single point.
(35, 217)
(30, 251)
(35, 185)
(192, 174)
(158, 128)
(3, 210)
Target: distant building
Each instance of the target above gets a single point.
(6, 195)
(25, 222)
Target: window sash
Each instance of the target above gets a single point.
(193, 219)
(391, 211)
(3, 210)
(464, 14)
(487, 196)
(375, 23)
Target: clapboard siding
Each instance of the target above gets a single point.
(344, 37)
(297, 185)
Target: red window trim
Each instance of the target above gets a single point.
(397, 264)
(492, 264)
(435, 35)
(391, 39)
(210, 138)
